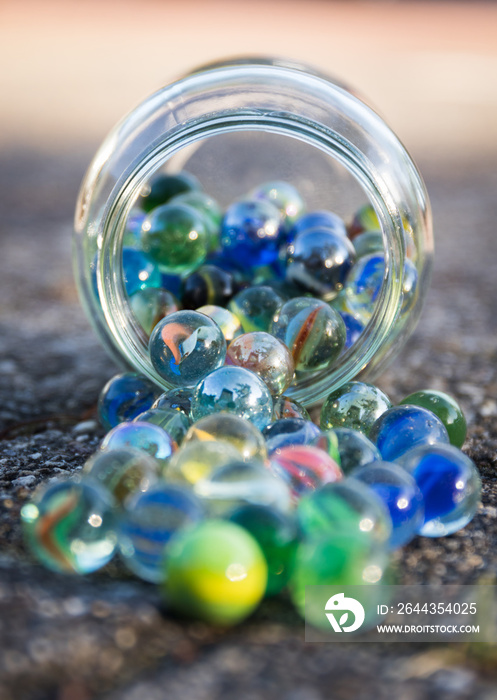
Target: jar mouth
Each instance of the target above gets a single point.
(356, 154)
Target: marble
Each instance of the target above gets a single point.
(148, 524)
(151, 305)
(256, 307)
(319, 260)
(353, 329)
(162, 187)
(264, 355)
(444, 407)
(207, 285)
(364, 219)
(221, 584)
(198, 460)
(123, 472)
(306, 468)
(225, 319)
(175, 423)
(70, 527)
(277, 535)
(313, 332)
(141, 435)
(285, 197)
(343, 507)
(184, 347)
(322, 219)
(288, 432)
(233, 390)
(403, 427)
(175, 237)
(450, 484)
(138, 271)
(179, 399)
(354, 448)
(341, 559)
(401, 495)
(231, 429)
(355, 405)
(239, 482)
(251, 231)
(284, 407)
(210, 210)
(124, 397)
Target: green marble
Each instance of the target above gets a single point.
(444, 407)
(162, 187)
(341, 559)
(175, 237)
(342, 507)
(277, 535)
(215, 572)
(255, 307)
(354, 405)
(210, 210)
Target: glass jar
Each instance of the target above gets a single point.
(235, 125)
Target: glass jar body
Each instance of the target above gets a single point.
(234, 125)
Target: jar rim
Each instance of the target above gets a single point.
(382, 190)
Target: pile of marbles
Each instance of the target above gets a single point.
(222, 490)
(221, 508)
(264, 277)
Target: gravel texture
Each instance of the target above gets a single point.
(107, 635)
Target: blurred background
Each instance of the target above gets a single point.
(71, 69)
(68, 72)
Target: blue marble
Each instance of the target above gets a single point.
(139, 272)
(353, 328)
(365, 281)
(400, 494)
(287, 432)
(124, 397)
(403, 427)
(354, 448)
(251, 232)
(450, 484)
(363, 285)
(319, 219)
(234, 390)
(319, 260)
(172, 283)
(185, 346)
(149, 522)
(143, 436)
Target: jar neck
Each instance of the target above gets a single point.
(128, 336)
